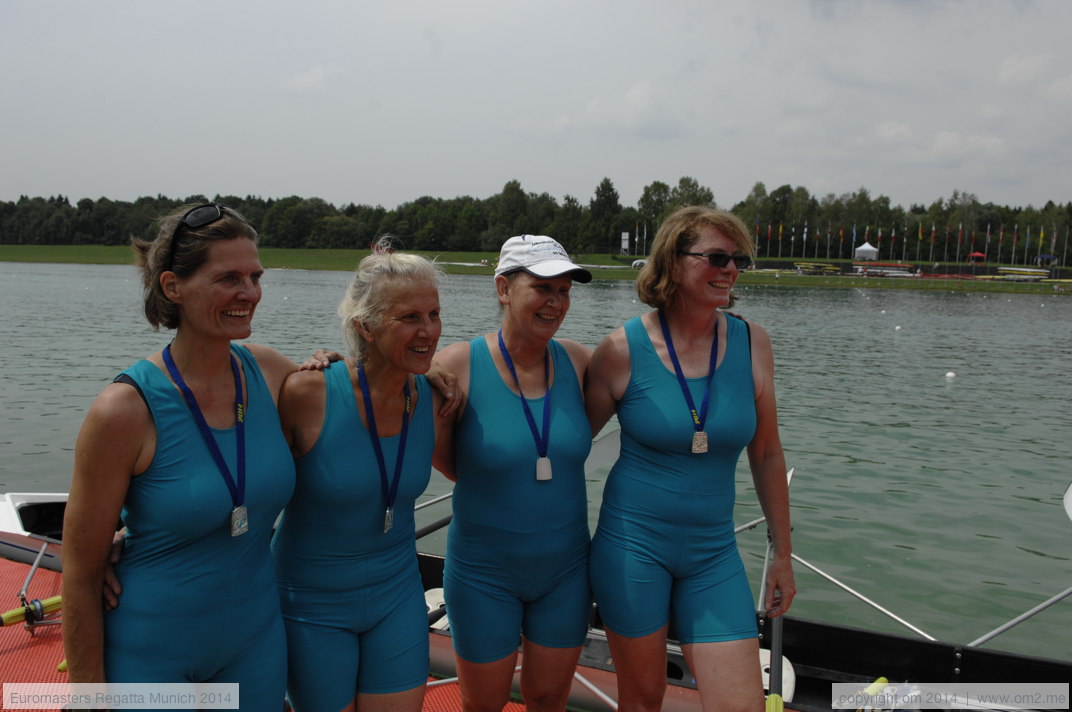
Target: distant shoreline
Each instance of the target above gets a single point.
(601, 266)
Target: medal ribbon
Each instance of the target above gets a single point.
(389, 495)
(237, 490)
(699, 419)
(542, 441)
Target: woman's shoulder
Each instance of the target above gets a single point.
(455, 356)
(300, 386)
(120, 407)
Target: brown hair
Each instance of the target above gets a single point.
(655, 284)
(189, 252)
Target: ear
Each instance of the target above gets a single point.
(364, 330)
(169, 284)
(502, 287)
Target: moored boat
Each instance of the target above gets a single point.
(816, 654)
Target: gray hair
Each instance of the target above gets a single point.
(365, 300)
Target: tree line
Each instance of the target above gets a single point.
(787, 222)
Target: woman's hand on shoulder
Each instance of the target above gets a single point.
(453, 360)
(445, 382)
(321, 359)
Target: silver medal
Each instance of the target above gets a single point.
(388, 519)
(543, 469)
(699, 442)
(239, 520)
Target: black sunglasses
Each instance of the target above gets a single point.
(721, 259)
(193, 218)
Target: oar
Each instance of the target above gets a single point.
(774, 685)
(31, 611)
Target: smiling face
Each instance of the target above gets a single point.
(409, 328)
(701, 285)
(218, 300)
(534, 305)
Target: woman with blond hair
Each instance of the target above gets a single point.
(362, 435)
(692, 387)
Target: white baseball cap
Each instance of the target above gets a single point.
(538, 255)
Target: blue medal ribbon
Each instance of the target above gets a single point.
(237, 489)
(698, 419)
(542, 441)
(389, 493)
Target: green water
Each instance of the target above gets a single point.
(938, 497)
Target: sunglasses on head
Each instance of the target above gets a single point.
(193, 218)
(721, 259)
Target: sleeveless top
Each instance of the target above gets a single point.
(178, 512)
(656, 475)
(337, 513)
(496, 454)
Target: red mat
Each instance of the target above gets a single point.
(34, 658)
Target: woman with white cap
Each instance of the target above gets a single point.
(517, 549)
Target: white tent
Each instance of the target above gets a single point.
(866, 251)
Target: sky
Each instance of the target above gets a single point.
(380, 103)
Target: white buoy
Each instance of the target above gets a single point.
(897, 328)
(950, 374)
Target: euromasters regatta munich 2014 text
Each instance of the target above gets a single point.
(119, 696)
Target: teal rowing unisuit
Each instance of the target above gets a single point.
(664, 549)
(517, 548)
(198, 604)
(351, 593)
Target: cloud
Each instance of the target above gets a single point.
(1018, 69)
(1060, 89)
(953, 144)
(312, 80)
(895, 132)
(637, 111)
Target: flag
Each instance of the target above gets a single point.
(779, 232)
(921, 231)
(934, 232)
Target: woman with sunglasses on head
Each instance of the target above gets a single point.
(186, 446)
(362, 433)
(517, 548)
(692, 387)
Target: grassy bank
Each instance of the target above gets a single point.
(602, 267)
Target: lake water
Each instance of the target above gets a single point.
(939, 497)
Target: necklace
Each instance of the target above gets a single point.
(239, 514)
(699, 437)
(390, 493)
(542, 440)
